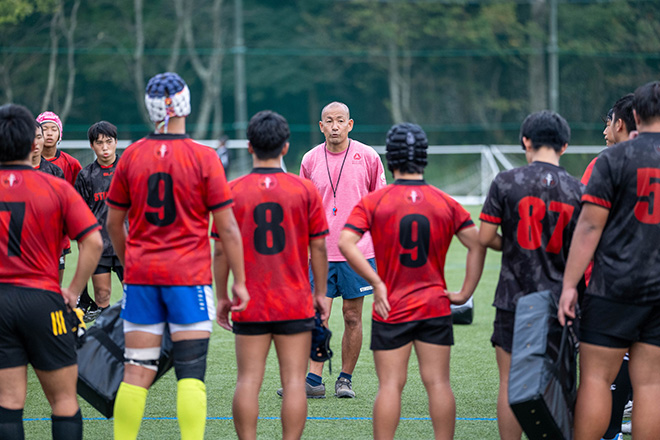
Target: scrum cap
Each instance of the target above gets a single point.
(406, 142)
(50, 117)
(167, 96)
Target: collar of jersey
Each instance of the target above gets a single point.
(411, 182)
(167, 136)
(16, 167)
(267, 170)
(540, 162)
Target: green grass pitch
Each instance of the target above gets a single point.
(473, 375)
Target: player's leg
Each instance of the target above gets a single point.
(13, 389)
(251, 353)
(144, 323)
(392, 371)
(645, 378)
(506, 421)
(60, 388)
(620, 392)
(598, 369)
(102, 283)
(190, 310)
(292, 355)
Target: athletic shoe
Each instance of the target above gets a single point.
(626, 428)
(627, 410)
(93, 313)
(619, 436)
(344, 388)
(313, 391)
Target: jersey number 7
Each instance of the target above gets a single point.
(16, 217)
(532, 211)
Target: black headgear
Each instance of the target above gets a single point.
(406, 142)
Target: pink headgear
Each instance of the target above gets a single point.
(50, 117)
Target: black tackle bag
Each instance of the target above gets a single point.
(542, 379)
(101, 360)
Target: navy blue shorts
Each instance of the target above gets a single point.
(344, 282)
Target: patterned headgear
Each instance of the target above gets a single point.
(167, 96)
(50, 117)
(406, 142)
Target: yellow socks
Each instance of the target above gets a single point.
(129, 410)
(191, 408)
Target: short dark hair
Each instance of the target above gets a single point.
(268, 132)
(623, 109)
(17, 127)
(406, 146)
(646, 101)
(545, 129)
(101, 128)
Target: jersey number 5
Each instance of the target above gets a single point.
(530, 227)
(415, 235)
(647, 208)
(16, 217)
(269, 236)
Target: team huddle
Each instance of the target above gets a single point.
(294, 243)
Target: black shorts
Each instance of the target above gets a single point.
(107, 264)
(438, 331)
(503, 329)
(275, 327)
(615, 324)
(35, 328)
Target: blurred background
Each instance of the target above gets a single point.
(467, 71)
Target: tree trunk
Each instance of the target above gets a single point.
(52, 62)
(538, 83)
(69, 30)
(394, 82)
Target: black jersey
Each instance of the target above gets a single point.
(626, 180)
(93, 183)
(50, 168)
(537, 207)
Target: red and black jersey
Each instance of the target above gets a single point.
(626, 180)
(278, 214)
(169, 184)
(412, 224)
(68, 163)
(49, 168)
(36, 211)
(537, 207)
(93, 183)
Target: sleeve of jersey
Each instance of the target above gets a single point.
(219, 194)
(78, 219)
(118, 195)
(81, 187)
(491, 212)
(358, 221)
(462, 218)
(318, 224)
(600, 188)
(377, 174)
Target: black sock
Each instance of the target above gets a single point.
(620, 394)
(67, 428)
(11, 424)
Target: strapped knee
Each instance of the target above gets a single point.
(190, 358)
(143, 357)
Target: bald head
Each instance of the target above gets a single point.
(336, 106)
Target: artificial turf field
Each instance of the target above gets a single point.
(473, 375)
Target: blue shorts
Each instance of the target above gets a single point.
(344, 282)
(174, 304)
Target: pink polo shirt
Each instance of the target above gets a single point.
(363, 173)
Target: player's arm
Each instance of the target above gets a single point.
(90, 248)
(474, 264)
(319, 263)
(232, 250)
(221, 275)
(117, 232)
(587, 234)
(488, 236)
(348, 240)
